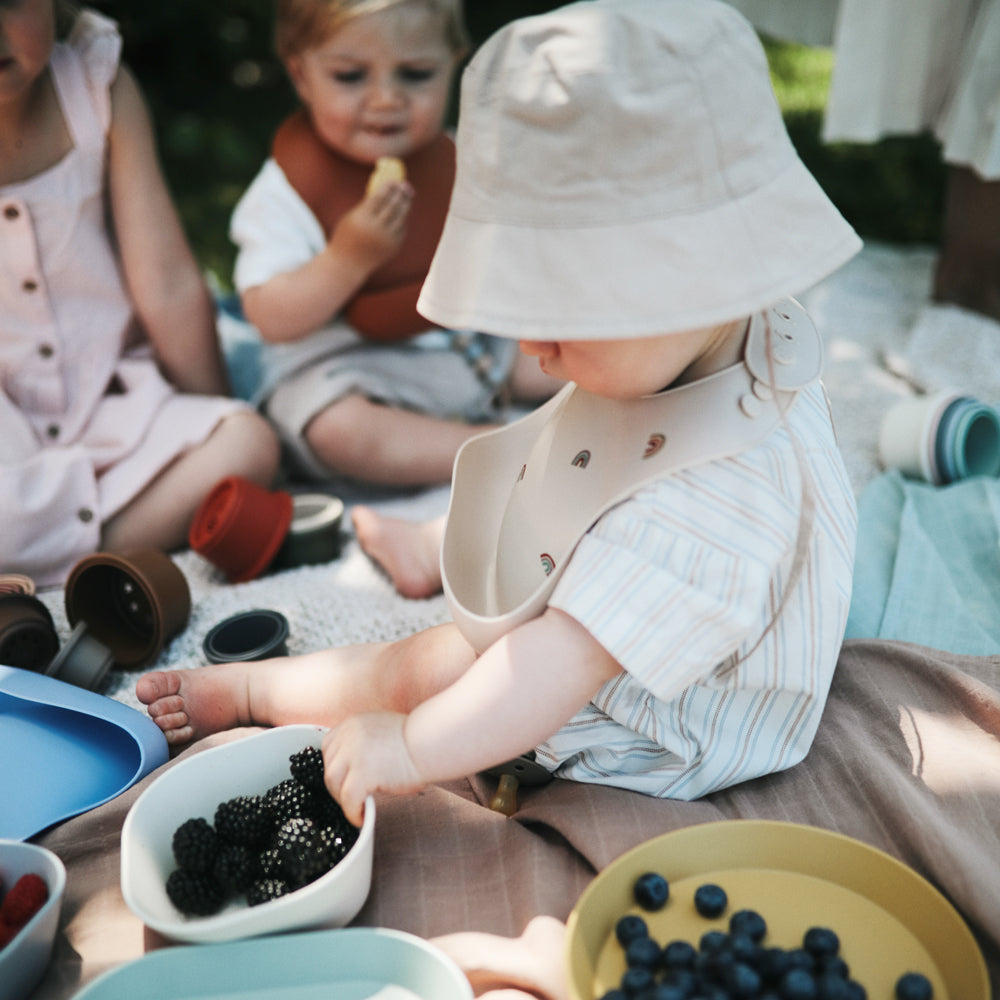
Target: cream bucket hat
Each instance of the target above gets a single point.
(624, 171)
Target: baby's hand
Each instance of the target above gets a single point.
(365, 754)
(372, 231)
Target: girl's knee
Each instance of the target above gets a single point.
(251, 446)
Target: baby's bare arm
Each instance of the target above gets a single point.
(294, 304)
(516, 695)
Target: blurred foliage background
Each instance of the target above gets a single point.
(217, 92)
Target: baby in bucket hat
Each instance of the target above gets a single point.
(650, 574)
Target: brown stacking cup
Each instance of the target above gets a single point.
(132, 603)
(28, 637)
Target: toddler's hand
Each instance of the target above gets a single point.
(372, 231)
(365, 754)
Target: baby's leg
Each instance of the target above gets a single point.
(407, 550)
(320, 688)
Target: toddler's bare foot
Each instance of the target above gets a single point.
(190, 704)
(407, 550)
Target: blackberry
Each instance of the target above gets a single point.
(325, 809)
(194, 894)
(306, 767)
(246, 819)
(269, 863)
(301, 851)
(336, 845)
(287, 800)
(265, 890)
(651, 891)
(195, 845)
(236, 868)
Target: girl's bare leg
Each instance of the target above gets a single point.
(321, 688)
(408, 551)
(243, 444)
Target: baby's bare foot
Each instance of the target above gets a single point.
(190, 704)
(407, 550)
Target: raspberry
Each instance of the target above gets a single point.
(24, 900)
(195, 845)
(246, 819)
(306, 767)
(193, 893)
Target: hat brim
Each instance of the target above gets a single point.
(640, 278)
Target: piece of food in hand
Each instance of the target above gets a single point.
(387, 168)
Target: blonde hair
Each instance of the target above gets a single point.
(301, 24)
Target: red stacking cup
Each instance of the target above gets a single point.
(240, 526)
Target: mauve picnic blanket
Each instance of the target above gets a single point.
(907, 759)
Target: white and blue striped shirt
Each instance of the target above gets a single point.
(728, 648)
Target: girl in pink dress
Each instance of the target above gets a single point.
(114, 421)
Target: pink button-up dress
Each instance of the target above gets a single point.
(86, 418)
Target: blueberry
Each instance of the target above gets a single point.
(642, 951)
(712, 941)
(743, 981)
(679, 955)
(614, 995)
(821, 942)
(855, 991)
(798, 985)
(629, 928)
(914, 986)
(748, 922)
(668, 991)
(651, 891)
(830, 986)
(710, 900)
(774, 963)
(744, 948)
(637, 979)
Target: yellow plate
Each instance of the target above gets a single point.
(888, 918)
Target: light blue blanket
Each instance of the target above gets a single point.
(927, 568)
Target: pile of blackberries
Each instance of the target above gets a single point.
(736, 964)
(260, 846)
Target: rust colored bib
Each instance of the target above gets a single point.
(331, 185)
